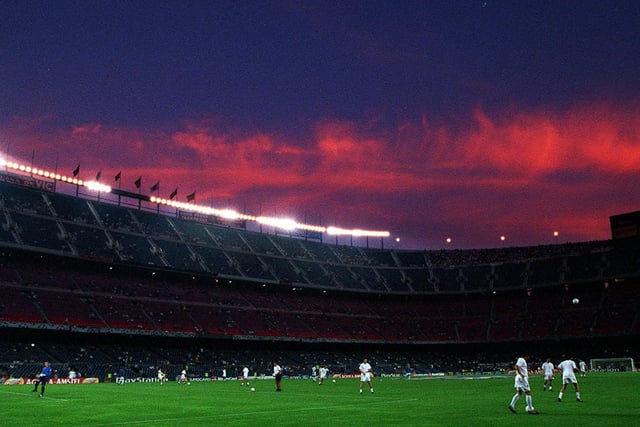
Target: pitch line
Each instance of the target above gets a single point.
(235, 414)
(25, 395)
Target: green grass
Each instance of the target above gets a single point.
(610, 399)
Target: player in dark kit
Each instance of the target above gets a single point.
(44, 377)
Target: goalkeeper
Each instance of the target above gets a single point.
(43, 378)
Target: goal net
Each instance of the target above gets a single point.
(619, 364)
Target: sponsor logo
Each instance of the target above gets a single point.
(18, 381)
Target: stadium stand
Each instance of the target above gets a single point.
(127, 283)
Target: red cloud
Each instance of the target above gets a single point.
(526, 172)
(89, 128)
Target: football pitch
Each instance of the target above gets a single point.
(610, 399)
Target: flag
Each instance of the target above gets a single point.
(173, 194)
(98, 175)
(155, 187)
(76, 171)
(118, 175)
(191, 197)
(138, 182)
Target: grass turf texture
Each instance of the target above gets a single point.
(609, 399)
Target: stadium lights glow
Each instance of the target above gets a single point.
(96, 186)
(356, 232)
(40, 172)
(229, 214)
(283, 223)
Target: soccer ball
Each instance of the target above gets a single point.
(253, 389)
(575, 301)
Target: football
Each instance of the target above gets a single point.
(575, 301)
(253, 389)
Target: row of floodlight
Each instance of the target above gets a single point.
(282, 223)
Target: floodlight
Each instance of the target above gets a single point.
(284, 223)
(356, 232)
(96, 186)
(228, 214)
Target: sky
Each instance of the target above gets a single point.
(430, 119)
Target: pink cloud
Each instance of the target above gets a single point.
(89, 128)
(524, 172)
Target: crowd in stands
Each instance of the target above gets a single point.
(77, 295)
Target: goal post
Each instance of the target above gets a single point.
(612, 364)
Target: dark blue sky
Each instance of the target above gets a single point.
(440, 106)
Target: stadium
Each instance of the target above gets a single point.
(94, 284)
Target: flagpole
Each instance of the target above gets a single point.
(55, 181)
(76, 172)
(118, 180)
(98, 176)
(138, 184)
(75, 175)
(172, 196)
